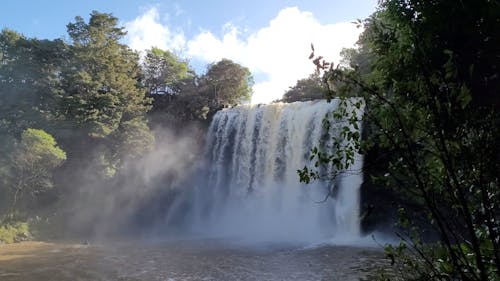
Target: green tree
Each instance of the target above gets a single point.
(30, 167)
(195, 98)
(229, 83)
(29, 81)
(100, 84)
(310, 88)
(175, 90)
(102, 97)
(431, 84)
(29, 86)
(190, 104)
(163, 71)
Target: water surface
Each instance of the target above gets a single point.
(184, 260)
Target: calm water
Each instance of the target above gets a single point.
(184, 260)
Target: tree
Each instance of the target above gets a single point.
(102, 98)
(100, 83)
(29, 85)
(310, 88)
(225, 84)
(29, 81)
(190, 104)
(163, 71)
(174, 88)
(432, 108)
(229, 82)
(30, 166)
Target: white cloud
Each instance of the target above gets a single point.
(278, 51)
(146, 31)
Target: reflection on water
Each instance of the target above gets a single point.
(184, 260)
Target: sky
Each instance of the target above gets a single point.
(270, 37)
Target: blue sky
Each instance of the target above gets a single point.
(271, 37)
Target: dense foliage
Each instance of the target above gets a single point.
(306, 89)
(428, 72)
(28, 167)
(101, 99)
(229, 83)
(196, 98)
(164, 71)
(75, 114)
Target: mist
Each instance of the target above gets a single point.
(137, 198)
(247, 188)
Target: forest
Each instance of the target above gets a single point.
(79, 119)
(91, 105)
(428, 72)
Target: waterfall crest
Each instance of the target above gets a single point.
(250, 187)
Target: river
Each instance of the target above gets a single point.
(185, 260)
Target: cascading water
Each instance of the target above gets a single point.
(250, 187)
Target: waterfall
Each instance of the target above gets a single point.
(250, 188)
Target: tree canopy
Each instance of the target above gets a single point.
(229, 83)
(306, 89)
(28, 80)
(100, 82)
(99, 99)
(28, 169)
(430, 84)
(196, 98)
(163, 71)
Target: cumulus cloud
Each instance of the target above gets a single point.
(278, 51)
(147, 31)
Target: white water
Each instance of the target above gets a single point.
(251, 188)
